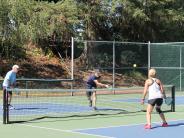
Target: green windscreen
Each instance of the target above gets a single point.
(168, 60)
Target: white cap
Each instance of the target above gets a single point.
(15, 67)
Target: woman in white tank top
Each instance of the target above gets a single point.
(155, 98)
(154, 89)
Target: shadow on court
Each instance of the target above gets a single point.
(95, 114)
(171, 125)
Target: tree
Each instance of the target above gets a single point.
(22, 21)
(133, 20)
(5, 27)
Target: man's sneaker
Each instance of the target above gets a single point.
(90, 103)
(11, 107)
(94, 108)
(164, 125)
(147, 126)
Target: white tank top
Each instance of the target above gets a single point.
(154, 90)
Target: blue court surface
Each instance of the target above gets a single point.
(179, 100)
(43, 108)
(174, 130)
(46, 108)
(131, 100)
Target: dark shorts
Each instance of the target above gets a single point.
(9, 92)
(89, 93)
(157, 102)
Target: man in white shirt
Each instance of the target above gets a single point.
(10, 82)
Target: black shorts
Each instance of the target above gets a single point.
(9, 92)
(157, 102)
(89, 93)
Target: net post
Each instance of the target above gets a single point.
(5, 106)
(72, 59)
(173, 99)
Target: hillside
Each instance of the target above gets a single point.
(38, 66)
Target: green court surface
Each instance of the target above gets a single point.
(63, 128)
(67, 127)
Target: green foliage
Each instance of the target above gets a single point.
(132, 20)
(41, 21)
(137, 74)
(23, 21)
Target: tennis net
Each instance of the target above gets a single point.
(59, 103)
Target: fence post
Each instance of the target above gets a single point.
(114, 66)
(72, 59)
(149, 60)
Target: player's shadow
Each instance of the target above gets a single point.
(170, 125)
(30, 108)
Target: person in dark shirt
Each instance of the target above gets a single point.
(92, 83)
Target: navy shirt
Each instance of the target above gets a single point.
(91, 82)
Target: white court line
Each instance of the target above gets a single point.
(60, 130)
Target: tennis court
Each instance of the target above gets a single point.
(118, 116)
(77, 68)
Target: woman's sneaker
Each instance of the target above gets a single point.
(147, 126)
(164, 125)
